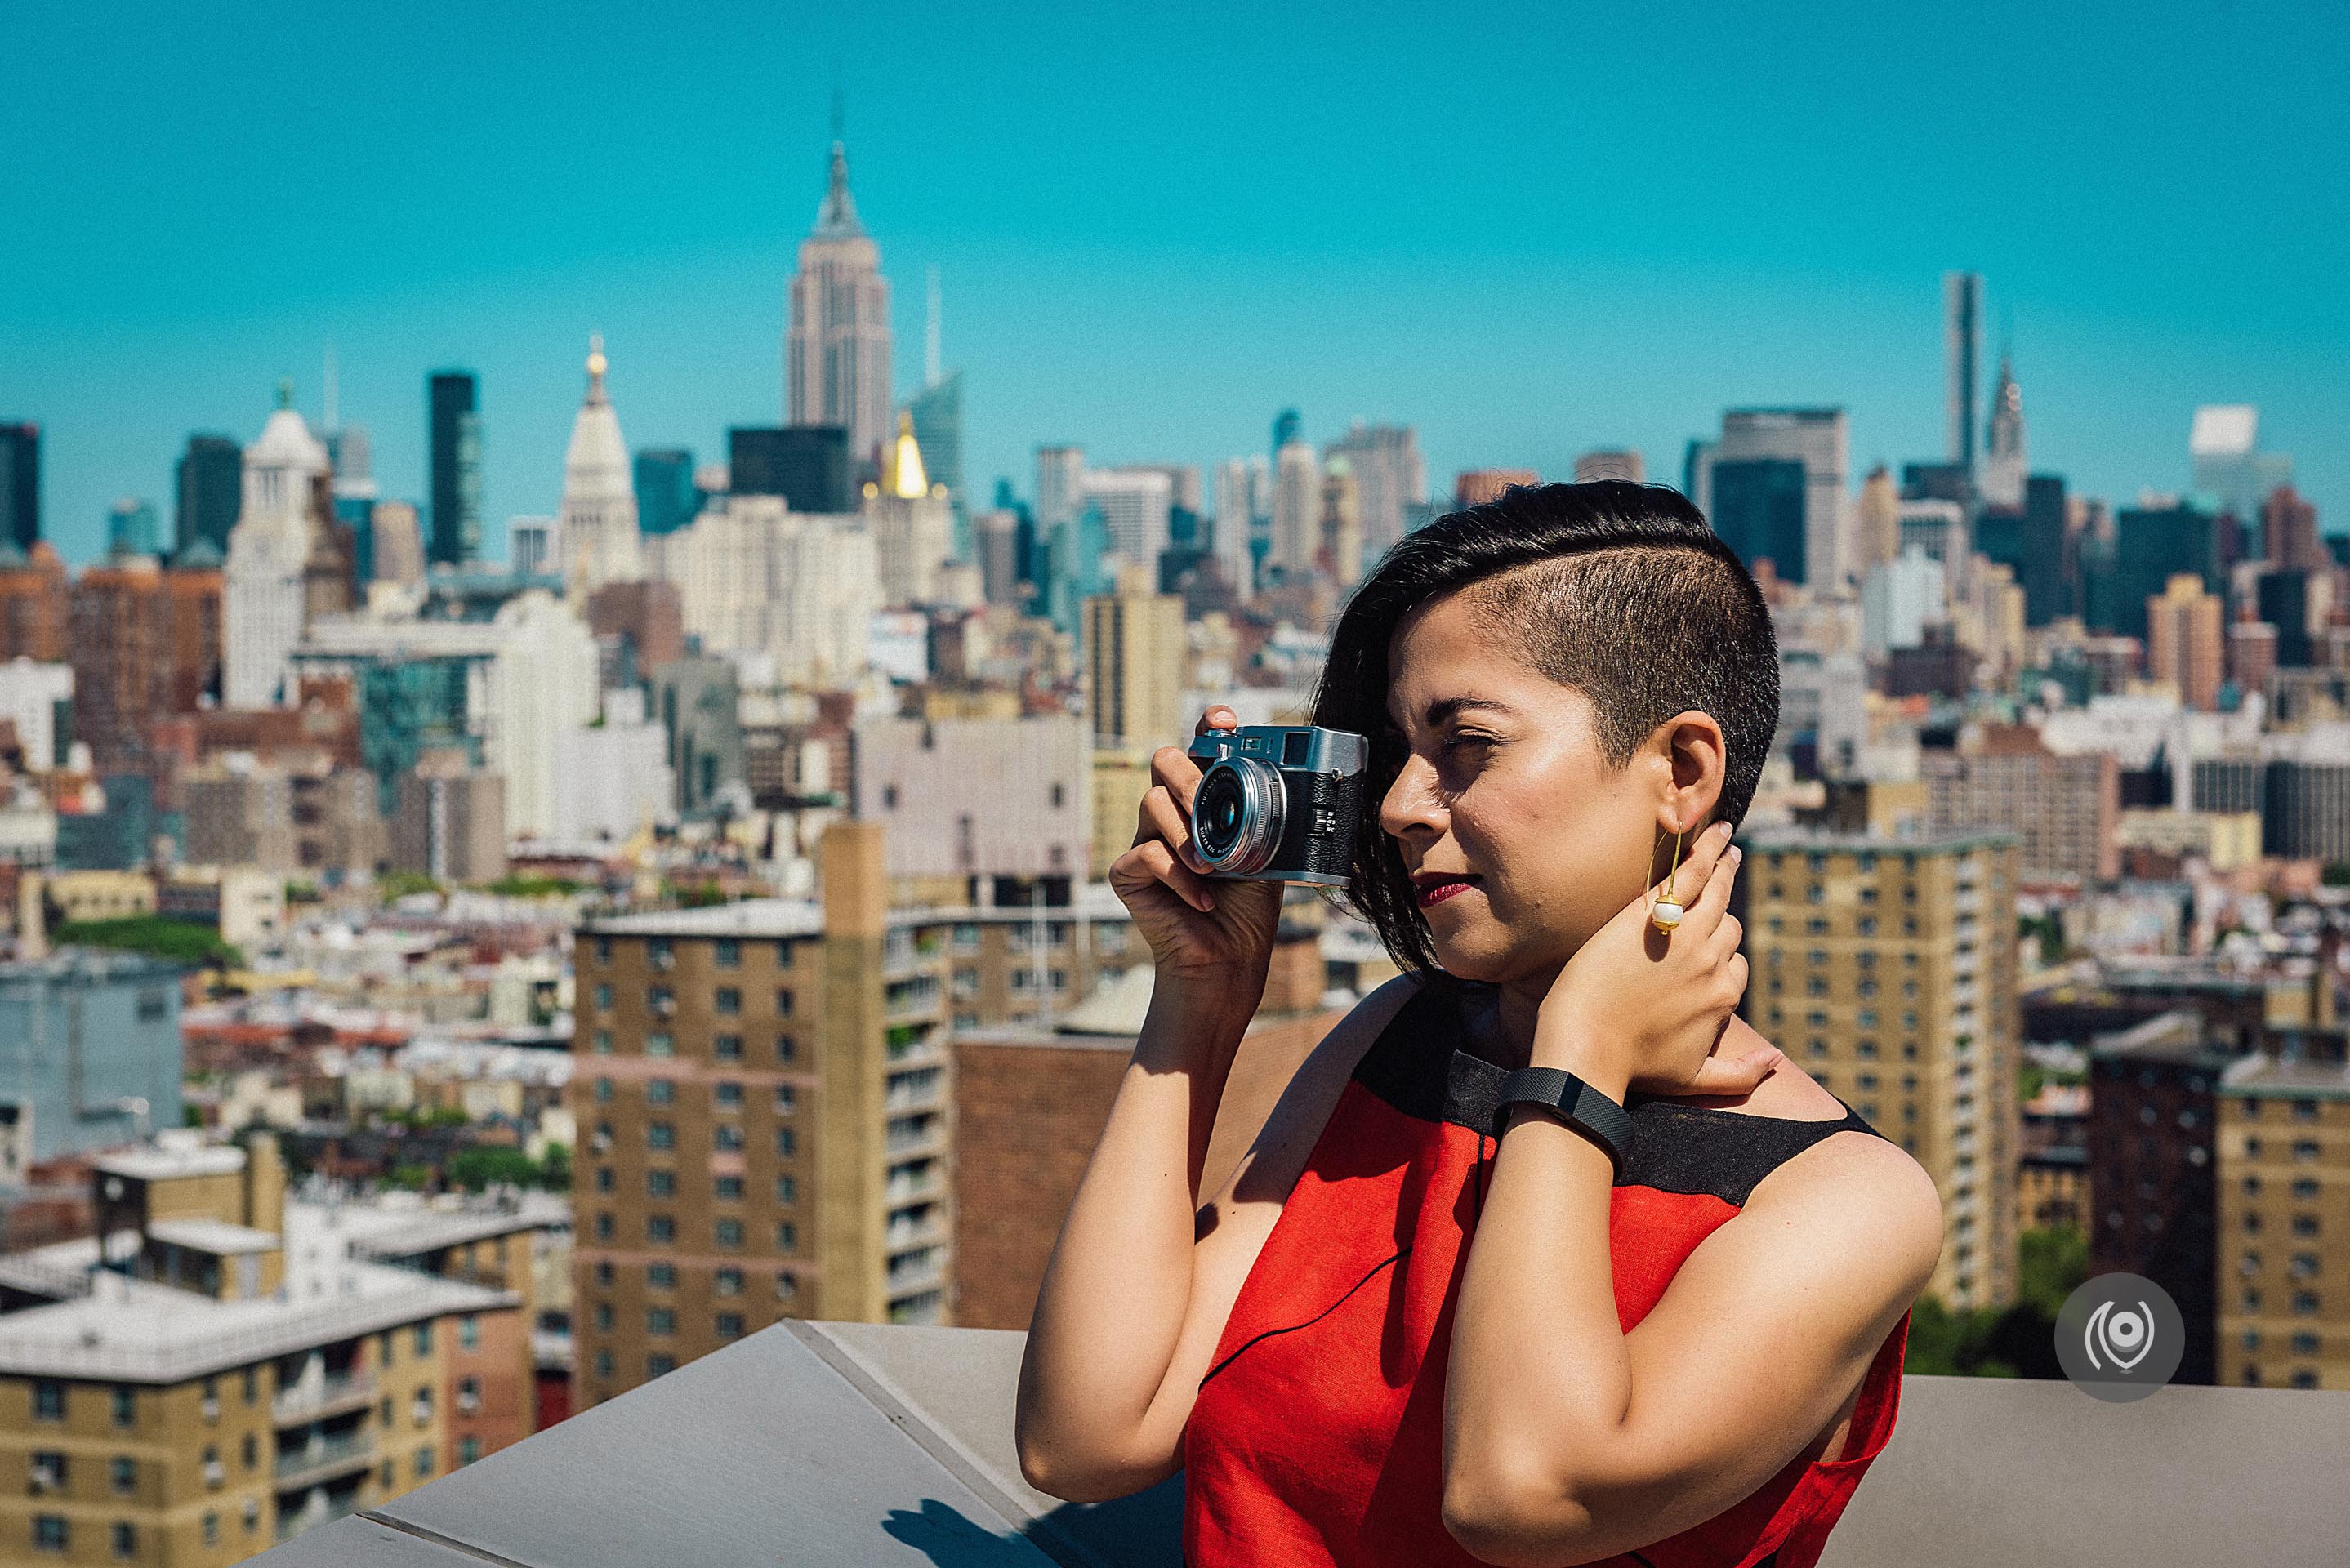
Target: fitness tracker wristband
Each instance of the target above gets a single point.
(1574, 1102)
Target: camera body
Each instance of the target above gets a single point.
(1278, 803)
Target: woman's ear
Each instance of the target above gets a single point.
(1699, 761)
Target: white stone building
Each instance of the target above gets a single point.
(262, 591)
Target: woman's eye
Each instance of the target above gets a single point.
(1457, 741)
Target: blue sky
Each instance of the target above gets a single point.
(1528, 230)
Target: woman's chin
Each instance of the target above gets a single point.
(1470, 959)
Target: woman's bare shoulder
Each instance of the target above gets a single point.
(1277, 1155)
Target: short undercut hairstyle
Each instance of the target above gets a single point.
(1619, 590)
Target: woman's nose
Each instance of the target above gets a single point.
(1411, 803)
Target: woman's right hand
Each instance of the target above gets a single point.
(1200, 927)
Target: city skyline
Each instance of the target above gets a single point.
(1147, 299)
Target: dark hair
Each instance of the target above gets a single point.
(1618, 590)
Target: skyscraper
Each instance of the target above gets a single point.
(1297, 507)
(264, 604)
(1060, 485)
(131, 528)
(1389, 475)
(2000, 481)
(211, 482)
(1962, 353)
(837, 348)
(664, 483)
(937, 411)
(454, 439)
(2231, 473)
(807, 465)
(1818, 440)
(597, 540)
(20, 484)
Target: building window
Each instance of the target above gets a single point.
(468, 1449)
(729, 1325)
(603, 949)
(251, 1453)
(660, 1320)
(730, 1232)
(726, 1047)
(126, 1535)
(727, 1093)
(660, 1092)
(661, 1276)
(787, 1236)
(604, 1273)
(49, 1533)
(424, 1337)
(786, 1050)
(660, 1228)
(728, 953)
(787, 1286)
(726, 1137)
(252, 1384)
(728, 1000)
(122, 1475)
(603, 1178)
(728, 1189)
(603, 999)
(786, 1190)
(726, 1283)
(600, 1042)
(603, 1364)
(603, 1089)
(603, 1227)
(785, 1143)
(660, 1042)
(48, 1400)
(424, 1461)
(126, 1407)
(660, 1183)
(659, 1366)
(783, 1005)
(785, 1098)
(661, 1135)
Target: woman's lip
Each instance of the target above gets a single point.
(1437, 892)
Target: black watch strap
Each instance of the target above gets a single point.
(1573, 1101)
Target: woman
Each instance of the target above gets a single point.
(1410, 1332)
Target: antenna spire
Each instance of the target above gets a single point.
(931, 333)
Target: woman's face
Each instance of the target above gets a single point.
(1505, 786)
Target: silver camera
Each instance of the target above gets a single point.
(1277, 803)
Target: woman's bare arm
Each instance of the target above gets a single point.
(1140, 1282)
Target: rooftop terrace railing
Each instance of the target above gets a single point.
(851, 1443)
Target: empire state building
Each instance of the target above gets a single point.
(836, 349)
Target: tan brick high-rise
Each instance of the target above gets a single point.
(1886, 968)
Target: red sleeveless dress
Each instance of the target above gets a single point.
(1316, 1438)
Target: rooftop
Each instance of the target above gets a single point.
(851, 1443)
(805, 917)
(134, 1331)
(2270, 1077)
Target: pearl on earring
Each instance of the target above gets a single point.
(1665, 910)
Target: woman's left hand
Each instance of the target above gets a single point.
(1653, 1007)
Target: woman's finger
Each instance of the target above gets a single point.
(1162, 818)
(1178, 770)
(1217, 717)
(1733, 1075)
(1712, 901)
(1697, 864)
(1155, 858)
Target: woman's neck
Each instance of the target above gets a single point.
(1519, 1005)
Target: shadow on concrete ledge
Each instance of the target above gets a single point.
(851, 1443)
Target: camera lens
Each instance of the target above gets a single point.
(1216, 812)
(1236, 815)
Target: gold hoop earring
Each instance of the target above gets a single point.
(1664, 910)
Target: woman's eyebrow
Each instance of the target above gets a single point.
(1444, 708)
